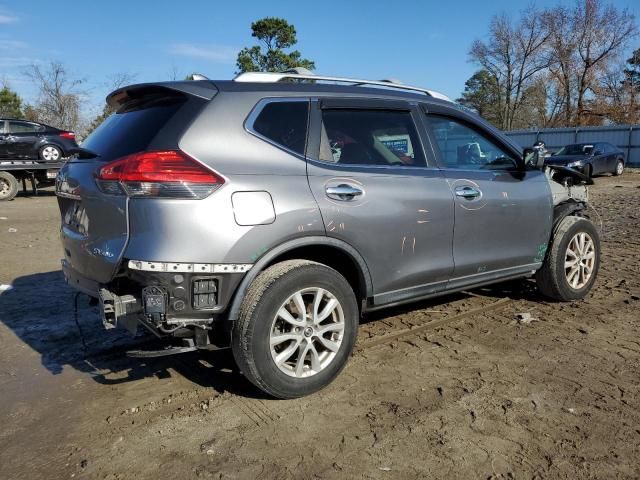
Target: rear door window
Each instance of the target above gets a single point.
(283, 123)
(370, 137)
(24, 127)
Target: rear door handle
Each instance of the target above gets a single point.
(467, 192)
(343, 192)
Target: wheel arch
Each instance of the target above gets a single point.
(332, 252)
(564, 209)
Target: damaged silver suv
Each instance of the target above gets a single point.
(268, 213)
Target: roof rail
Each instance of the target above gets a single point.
(268, 77)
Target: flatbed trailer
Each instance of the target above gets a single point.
(12, 172)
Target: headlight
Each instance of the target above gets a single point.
(577, 163)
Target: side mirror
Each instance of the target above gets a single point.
(532, 157)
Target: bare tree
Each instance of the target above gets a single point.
(174, 73)
(585, 44)
(562, 46)
(514, 54)
(59, 96)
(602, 32)
(617, 101)
(114, 82)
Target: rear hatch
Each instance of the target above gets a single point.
(94, 228)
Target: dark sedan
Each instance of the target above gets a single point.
(20, 139)
(590, 158)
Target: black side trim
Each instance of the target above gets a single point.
(565, 209)
(266, 259)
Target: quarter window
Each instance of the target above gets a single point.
(370, 137)
(462, 147)
(284, 123)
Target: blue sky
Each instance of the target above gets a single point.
(418, 42)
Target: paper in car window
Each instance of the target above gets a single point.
(397, 143)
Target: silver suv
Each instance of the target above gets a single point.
(269, 213)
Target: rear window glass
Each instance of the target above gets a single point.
(284, 123)
(130, 131)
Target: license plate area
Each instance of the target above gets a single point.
(154, 301)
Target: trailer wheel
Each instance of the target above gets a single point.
(8, 186)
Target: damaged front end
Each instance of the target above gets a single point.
(569, 191)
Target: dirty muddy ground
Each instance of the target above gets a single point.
(476, 394)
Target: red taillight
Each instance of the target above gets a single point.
(168, 173)
(68, 135)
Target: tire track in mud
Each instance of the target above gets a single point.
(256, 410)
(399, 335)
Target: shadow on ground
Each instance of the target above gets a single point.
(39, 309)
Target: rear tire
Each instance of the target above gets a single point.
(572, 262)
(619, 168)
(284, 352)
(50, 153)
(8, 186)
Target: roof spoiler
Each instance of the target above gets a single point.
(200, 88)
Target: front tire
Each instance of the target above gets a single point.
(571, 266)
(297, 328)
(50, 153)
(619, 168)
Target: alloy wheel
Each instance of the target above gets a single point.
(50, 154)
(579, 260)
(306, 332)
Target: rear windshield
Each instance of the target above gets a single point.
(131, 130)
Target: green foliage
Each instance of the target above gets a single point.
(481, 94)
(96, 122)
(10, 103)
(30, 113)
(275, 34)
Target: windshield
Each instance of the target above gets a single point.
(576, 149)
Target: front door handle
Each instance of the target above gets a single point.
(467, 192)
(343, 192)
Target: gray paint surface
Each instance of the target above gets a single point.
(411, 233)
